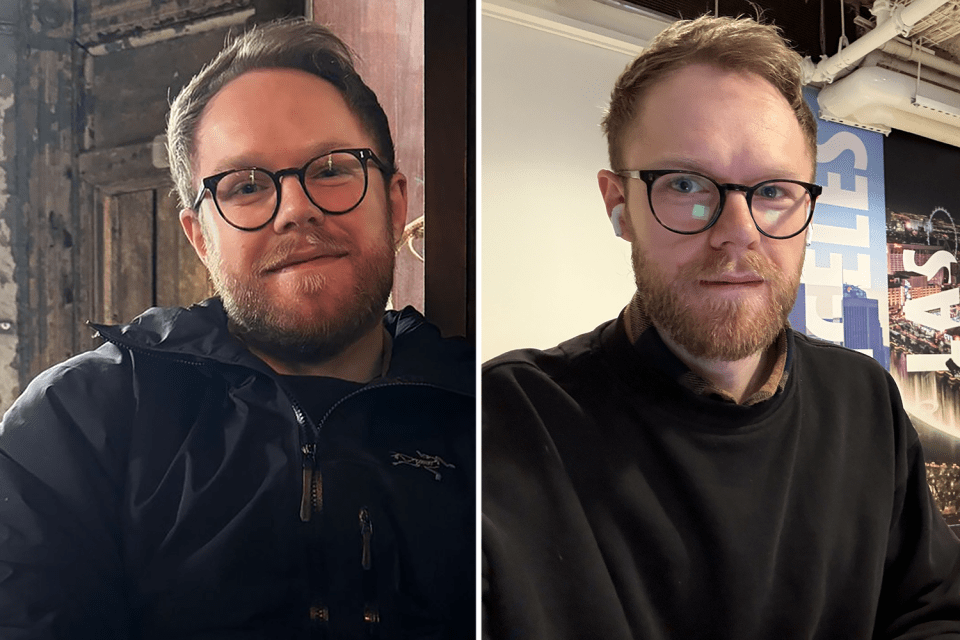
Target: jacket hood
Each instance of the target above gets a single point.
(200, 334)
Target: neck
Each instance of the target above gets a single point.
(739, 378)
(360, 361)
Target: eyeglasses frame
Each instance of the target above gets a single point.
(649, 176)
(209, 184)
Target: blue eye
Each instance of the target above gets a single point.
(771, 191)
(685, 184)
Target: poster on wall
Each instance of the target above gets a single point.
(923, 247)
(881, 276)
(843, 289)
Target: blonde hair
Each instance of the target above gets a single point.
(741, 45)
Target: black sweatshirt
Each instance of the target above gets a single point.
(619, 504)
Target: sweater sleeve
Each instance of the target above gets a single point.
(920, 596)
(544, 576)
(62, 464)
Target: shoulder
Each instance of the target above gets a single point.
(420, 352)
(197, 332)
(533, 386)
(76, 410)
(104, 375)
(839, 386)
(568, 359)
(815, 355)
(101, 391)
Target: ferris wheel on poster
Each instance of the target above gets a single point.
(929, 225)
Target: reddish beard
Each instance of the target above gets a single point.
(713, 327)
(278, 327)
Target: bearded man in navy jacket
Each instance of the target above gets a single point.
(282, 461)
(694, 468)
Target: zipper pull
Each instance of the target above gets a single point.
(366, 532)
(309, 468)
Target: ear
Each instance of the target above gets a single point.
(397, 196)
(612, 190)
(190, 221)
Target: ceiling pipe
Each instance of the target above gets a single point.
(899, 21)
(882, 59)
(880, 99)
(929, 60)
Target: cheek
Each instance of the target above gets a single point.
(238, 253)
(790, 257)
(670, 251)
(370, 229)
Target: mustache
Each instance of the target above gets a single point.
(313, 239)
(720, 263)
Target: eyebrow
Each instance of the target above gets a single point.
(687, 164)
(254, 160)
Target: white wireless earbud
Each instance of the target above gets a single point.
(616, 219)
(809, 235)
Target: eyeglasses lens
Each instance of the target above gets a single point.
(334, 182)
(687, 203)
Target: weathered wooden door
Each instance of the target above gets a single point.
(137, 56)
(143, 258)
(98, 237)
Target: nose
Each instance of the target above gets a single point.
(296, 209)
(735, 226)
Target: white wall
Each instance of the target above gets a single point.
(551, 267)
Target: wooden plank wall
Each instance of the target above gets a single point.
(94, 233)
(9, 201)
(47, 233)
(174, 254)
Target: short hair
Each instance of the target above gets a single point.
(284, 44)
(740, 45)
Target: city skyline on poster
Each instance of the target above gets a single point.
(923, 231)
(882, 276)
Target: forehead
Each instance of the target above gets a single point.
(274, 117)
(713, 119)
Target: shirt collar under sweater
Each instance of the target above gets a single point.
(646, 340)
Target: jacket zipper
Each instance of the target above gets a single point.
(366, 533)
(311, 497)
(371, 615)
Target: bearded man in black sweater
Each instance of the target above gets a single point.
(694, 468)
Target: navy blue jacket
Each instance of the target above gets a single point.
(165, 485)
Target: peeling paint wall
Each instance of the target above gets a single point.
(9, 373)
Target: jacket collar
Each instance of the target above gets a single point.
(199, 334)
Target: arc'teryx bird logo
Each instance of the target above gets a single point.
(425, 461)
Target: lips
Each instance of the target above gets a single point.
(298, 259)
(743, 279)
(291, 256)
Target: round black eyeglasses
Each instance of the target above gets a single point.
(687, 202)
(249, 199)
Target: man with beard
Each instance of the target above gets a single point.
(694, 468)
(284, 460)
